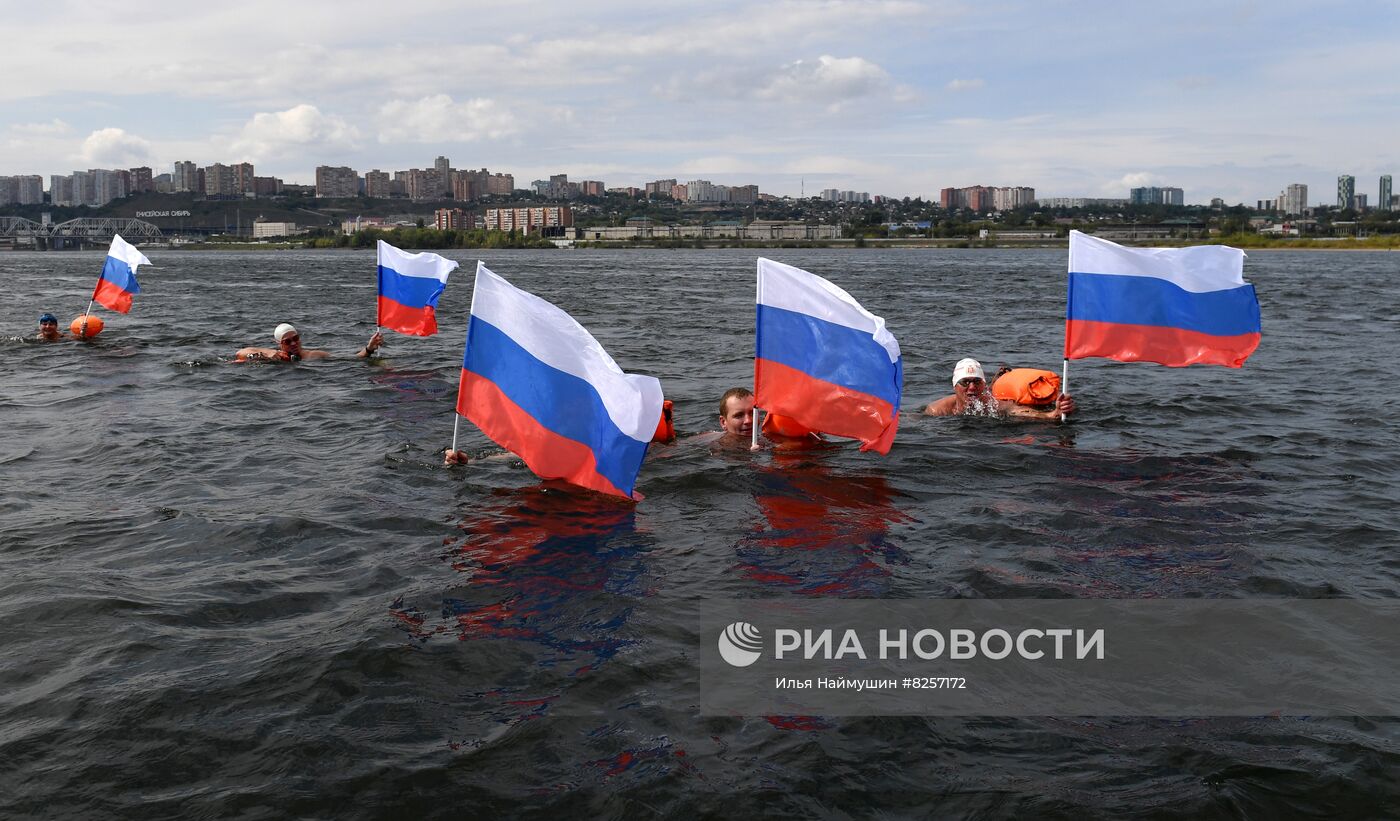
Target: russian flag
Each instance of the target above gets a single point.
(1173, 306)
(118, 280)
(541, 386)
(409, 287)
(823, 360)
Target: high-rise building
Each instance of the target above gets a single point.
(662, 187)
(141, 181)
(451, 219)
(1346, 191)
(1295, 199)
(547, 219)
(836, 195)
(705, 191)
(743, 193)
(267, 186)
(337, 182)
(218, 181)
(442, 166)
(60, 190)
(377, 184)
(1145, 195)
(500, 183)
(29, 189)
(1359, 202)
(591, 188)
(1173, 196)
(1383, 201)
(244, 184)
(186, 178)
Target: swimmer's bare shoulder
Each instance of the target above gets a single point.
(947, 406)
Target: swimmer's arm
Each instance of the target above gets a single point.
(942, 407)
(1064, 407)
(372, 345)
(258, 353)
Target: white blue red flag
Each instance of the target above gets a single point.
(409, 287)
(118, 280)
(1174, 306)
(541, 386)
(823, 360)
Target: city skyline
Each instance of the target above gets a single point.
(890, 97)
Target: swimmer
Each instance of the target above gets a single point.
(736, 414)
(48, 329)
(971, 397)
(736, 419)
(289, 348)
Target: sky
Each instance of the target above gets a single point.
(1231, 98)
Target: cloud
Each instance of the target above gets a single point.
(1138, 179)
(830, 80)
(113, 147)
(270, 134)
(53, 128)
(966, 85)
(439, 119)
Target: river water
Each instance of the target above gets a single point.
(252, 590)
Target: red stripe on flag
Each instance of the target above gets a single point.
(548, 454)
(406, 320)
(111, 296)
(1173, 347)
(825, 406)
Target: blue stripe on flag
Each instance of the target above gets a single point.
(559, 401)
(827, 351)
(120, 274)
(411, 292)
(1135, 300)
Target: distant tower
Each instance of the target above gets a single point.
(1384, 202)
(1346, 191)
(1295, 199)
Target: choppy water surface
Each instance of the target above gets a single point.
(253, 591)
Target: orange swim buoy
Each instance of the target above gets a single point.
(94, 326)
(1028, 386)
(666, 428)
(774, 423)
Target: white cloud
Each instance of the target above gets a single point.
(966, 85)
(830, 80)
(53, 128)
(113, 147)
(1136, 179)
(271, 134)
(439, 119)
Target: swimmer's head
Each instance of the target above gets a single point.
(48, 327)
(736, 411)
(968, 377)
(288, 340)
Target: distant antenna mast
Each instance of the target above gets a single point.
(803, 189)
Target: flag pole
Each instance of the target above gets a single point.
(377, 328)
(1064, 384)
(758, 297)
(457, 414)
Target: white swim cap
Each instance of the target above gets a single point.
(968, 368)
(282, 330)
